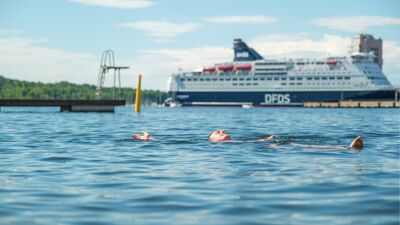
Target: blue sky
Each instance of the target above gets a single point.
(56, 40)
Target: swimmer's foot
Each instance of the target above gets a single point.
(357, 143)
(270, 138)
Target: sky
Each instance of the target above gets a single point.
(63, 40)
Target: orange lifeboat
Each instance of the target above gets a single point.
(243, 67)
(331, 62)
(209, 69)
(225, 67)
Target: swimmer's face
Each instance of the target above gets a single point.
(219, 135)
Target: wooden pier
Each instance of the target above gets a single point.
(353, 104)
(67, 105)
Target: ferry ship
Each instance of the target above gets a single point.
(251, 80)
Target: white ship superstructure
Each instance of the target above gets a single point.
(250, 79)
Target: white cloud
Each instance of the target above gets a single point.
(29, 59)
(291, 45)
(391, 59)
(120, 4)
(391, 50)
(7, 31)
(241, 19)
(194, 57)
(355, 23)
(157, 65)
(26, 59)
(162, 30)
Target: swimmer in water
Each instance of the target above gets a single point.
(222, 136)
(145, 137)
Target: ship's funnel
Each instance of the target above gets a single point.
(244, 52)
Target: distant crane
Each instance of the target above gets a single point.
(107, 65)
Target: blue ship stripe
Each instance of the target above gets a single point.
(259, 98)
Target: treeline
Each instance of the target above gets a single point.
(16, 89)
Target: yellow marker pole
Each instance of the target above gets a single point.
(137, 102)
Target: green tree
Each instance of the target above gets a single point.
(16, 89)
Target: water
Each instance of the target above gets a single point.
(83, 168)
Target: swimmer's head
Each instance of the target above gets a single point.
(218, 136)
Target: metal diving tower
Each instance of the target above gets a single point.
(107, 66)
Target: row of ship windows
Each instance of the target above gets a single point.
(328, 72)
(271, 72)
(371, 67)
(285, 63)
(272, 69)
(269, 78)
(361, 61)
(370, 72)
(291, 84)
(271, 63)
(306, 63)
(293, 87)
(376, 78)
(258, 73)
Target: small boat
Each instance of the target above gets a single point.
(225, 67)
(247, 106)
(175, 104)
(209, 69)
(331, 62)
(243, 67)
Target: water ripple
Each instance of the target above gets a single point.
(84, 168)
(59, 159)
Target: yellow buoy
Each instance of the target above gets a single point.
(137, 102)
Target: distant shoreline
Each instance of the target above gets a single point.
(17, 89)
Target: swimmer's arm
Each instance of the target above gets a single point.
(319, 146)
(357, 143)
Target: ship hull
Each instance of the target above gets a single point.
(280, 98)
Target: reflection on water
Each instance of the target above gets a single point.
(83, 168)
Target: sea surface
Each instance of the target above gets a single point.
(84, 168)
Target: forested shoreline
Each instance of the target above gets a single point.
(17, 89)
